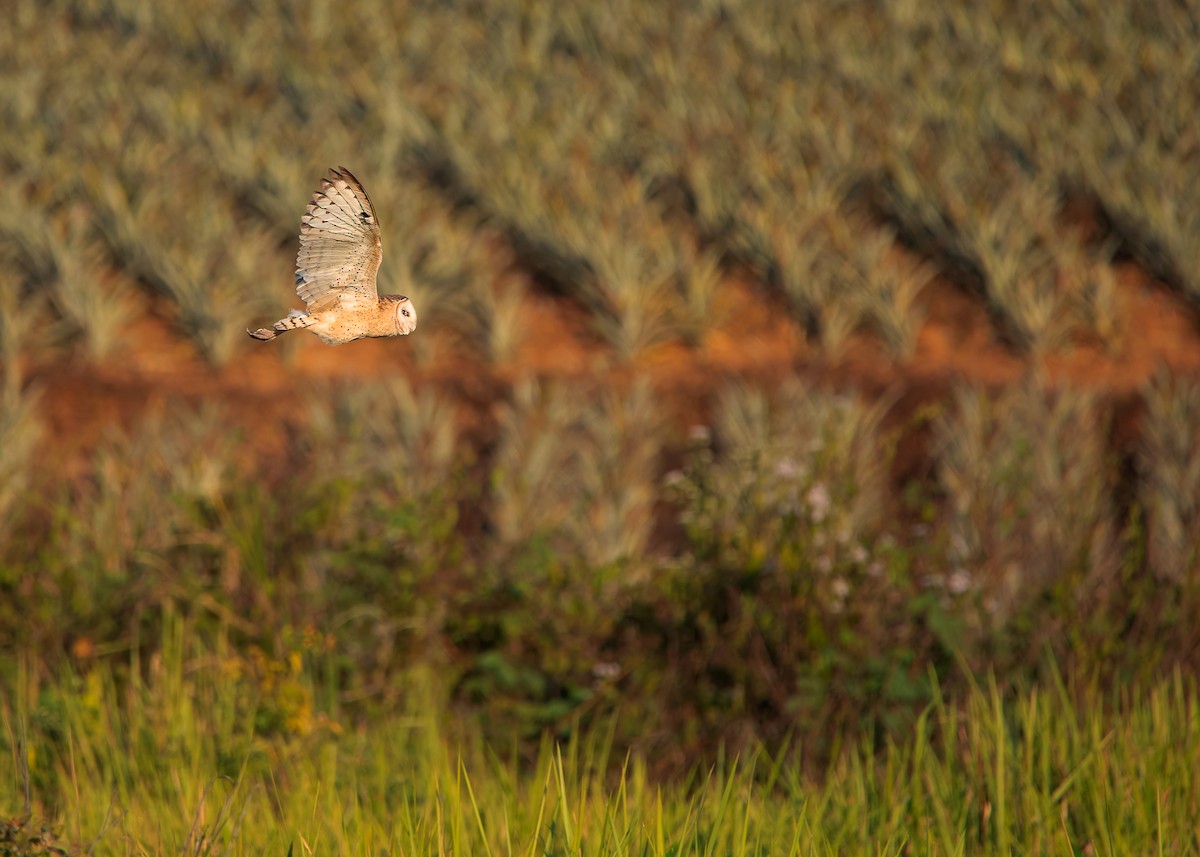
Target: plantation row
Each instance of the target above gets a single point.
(630, 153)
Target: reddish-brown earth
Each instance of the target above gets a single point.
(264, 388)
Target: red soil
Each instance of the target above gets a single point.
(264, 388)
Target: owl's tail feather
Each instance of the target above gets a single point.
(295, 321)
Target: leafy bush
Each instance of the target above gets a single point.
(791, 606)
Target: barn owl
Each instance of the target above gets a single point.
(339, 257)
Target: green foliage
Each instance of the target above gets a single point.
(199, 751)
(534, 573)
(789, 597)
(629, 157)
(795, 484)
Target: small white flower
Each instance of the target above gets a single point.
(858, 555)
(606, 670)
(787, 468)
(840, 588)
(958, 582)
(819, 502)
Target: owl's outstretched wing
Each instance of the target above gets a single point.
(340, 248)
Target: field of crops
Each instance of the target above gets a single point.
(786, 372)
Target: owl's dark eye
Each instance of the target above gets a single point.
(405, 312)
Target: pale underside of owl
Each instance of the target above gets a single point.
(340, 252)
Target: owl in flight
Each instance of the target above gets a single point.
(339, 257)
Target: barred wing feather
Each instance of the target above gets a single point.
(340, 248)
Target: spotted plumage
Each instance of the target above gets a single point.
(336, 267)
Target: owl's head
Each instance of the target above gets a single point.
(406, 316)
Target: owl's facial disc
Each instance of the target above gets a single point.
(406, 316)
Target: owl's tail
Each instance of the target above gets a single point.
(296, 320)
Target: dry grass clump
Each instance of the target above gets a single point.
(21, 327)
(1169, 461)
(1029, 511)
(20, 431)
(578, 470)
(20, 420)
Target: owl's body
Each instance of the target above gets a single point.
(344, 324)
(340, 252)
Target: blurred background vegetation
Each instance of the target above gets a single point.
(782, 366)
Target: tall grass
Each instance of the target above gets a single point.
(201, 750)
